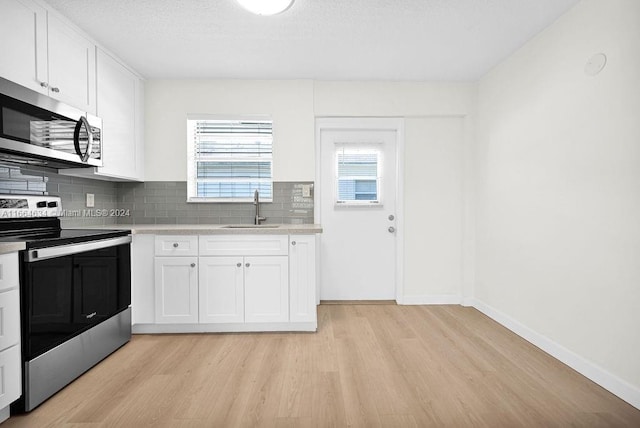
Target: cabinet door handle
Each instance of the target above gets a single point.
(193, 265)
(247, 265)
(293, 242)
(175, 245)
(239, 264)
(44, 84)
(54, 89)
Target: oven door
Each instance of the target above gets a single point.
(66, 294)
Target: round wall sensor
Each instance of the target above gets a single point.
(595, 64)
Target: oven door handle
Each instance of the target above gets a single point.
(66, 250)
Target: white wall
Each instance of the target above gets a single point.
(435, 135)
(433, 209)
(290, 104)
(558, 191)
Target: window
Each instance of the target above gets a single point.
(357, 175)
(229, 159)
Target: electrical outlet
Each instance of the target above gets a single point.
(306, 190)
(91, 202)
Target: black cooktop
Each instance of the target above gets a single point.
(62, 237)
(41, 234)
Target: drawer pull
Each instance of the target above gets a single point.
(248, 264)
(193, 265)
(175, 245)
(239, 264)
(293, 242)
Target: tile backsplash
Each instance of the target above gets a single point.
(41, 181)
(154, 202)
(164, 202)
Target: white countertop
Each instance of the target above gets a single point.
(216, 229)
(11, 247)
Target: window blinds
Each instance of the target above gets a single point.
(230, 159)
(357, 175)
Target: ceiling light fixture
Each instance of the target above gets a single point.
(266, 7)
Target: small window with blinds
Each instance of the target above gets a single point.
(357, 175)
(229, 160)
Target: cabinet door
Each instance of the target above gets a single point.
(266, 289)
(72, 66)
(9, 267)
(116, 105)
(221, 289)
(176, 290)
(302, 278)
(9, 318)
(10, 376)
(23, 43)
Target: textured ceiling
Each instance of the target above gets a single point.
(315, 39)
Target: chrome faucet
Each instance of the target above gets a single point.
(256, 202)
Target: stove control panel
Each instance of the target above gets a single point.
(28, 206)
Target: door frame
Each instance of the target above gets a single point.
(396, 124)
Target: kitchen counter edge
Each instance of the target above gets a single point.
(213, 229)
(11, 247)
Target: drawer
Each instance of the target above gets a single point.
(9, 277)
(244, 245)
(174, 245)
(10, 376)
(9, 318)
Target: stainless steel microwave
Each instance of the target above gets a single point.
(38, 130)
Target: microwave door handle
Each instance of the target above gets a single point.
(76, 138)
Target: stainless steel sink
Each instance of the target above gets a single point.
(251, 226)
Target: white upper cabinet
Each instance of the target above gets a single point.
(72, 69)
(23, 43)
(43, 53)
(119, 107)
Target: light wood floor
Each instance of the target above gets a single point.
(368, 365)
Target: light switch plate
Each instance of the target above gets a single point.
(91, 202)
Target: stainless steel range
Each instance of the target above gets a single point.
(75, 294)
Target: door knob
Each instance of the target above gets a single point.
(293, 242)
(391, 229)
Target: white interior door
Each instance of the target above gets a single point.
(358, 185)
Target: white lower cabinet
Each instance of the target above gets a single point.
(221, 285)
(226, 283)
(10, 367)
(266, 289)
(10, 375)
(302, 278)
(244, 289)
(176, 285)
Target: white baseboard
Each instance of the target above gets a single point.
(610, 382)
(223, 328)
(431, 299)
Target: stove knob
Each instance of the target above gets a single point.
(41, 204)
